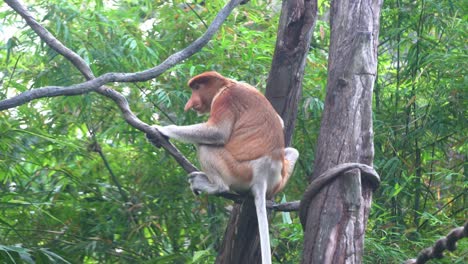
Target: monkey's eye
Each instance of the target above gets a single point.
(196, 86)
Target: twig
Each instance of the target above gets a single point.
(12, 73)
(96, 147)
(443, 206)
(155, 105)
(196, 13)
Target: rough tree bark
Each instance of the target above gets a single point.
(337, 216)
(241, 243)
(284, 84)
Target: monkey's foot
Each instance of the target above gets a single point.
(199, 183)
(291, 154)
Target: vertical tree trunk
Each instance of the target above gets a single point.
(241, 243)
(284, 84)
(337, 216)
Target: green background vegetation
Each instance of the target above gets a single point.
(59, 202)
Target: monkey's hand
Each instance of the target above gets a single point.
(155, 140)
(163, 130)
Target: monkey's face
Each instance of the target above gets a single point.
(202, 97)
(204, 86)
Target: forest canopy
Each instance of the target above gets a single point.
(79, 184)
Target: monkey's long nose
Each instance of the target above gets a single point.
(188, 105)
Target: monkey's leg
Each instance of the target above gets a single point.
(291, 154)
(199, 183)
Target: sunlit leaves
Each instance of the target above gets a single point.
(58, 193)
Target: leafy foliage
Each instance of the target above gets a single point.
(420, 127)
(79, 185)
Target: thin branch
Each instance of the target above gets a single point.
(94, 84)
(281, 207)
(284, 207)
(462, 194)
(97, 84)
(96, 147)
(48, 91)
(196, 13)
(155, 105)
(156, 138)
(10, 77)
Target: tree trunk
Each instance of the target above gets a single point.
(337, 216)
(241, 243)
(284, 84)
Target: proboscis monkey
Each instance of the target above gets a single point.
(240, 147)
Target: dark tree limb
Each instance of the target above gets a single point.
(437, 250)
(317, 184)
(314, 188)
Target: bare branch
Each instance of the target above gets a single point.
(94, 84)
(270, 204)
(284, 207)
(157, 138)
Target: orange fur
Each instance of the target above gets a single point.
(256, 129)
(240, 147)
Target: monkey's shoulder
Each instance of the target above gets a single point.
(241, 96)
(242, 88)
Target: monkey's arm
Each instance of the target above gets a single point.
(202, 133)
